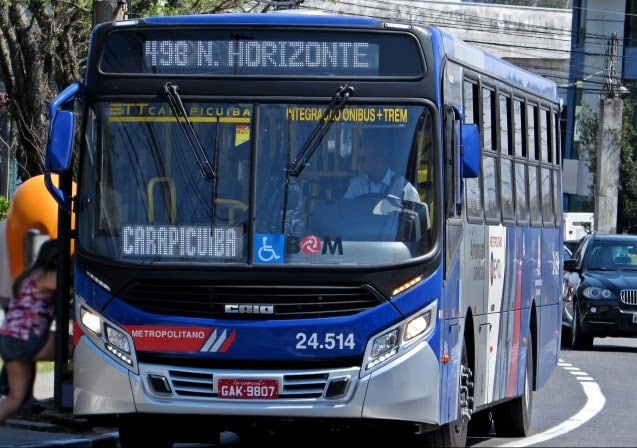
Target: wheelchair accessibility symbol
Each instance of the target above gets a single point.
(268, 248)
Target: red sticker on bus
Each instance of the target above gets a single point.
(162, 338)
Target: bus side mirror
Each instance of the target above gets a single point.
(59, 148)
(471, 153)
(58, 154)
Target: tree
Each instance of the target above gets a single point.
(4, 207)
(627, 204)
(43, 48)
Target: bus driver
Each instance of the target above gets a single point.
(376, 177)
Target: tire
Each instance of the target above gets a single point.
(565, 341)
(513, 418)
(579, 339)
(139, 431)
(480, 424)
(252, 437)
(454, 434)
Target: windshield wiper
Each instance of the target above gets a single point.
(324, 124)
(177, 106)
(330, 114)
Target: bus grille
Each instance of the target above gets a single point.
(250, 302)
(295, 386)
(629, 296)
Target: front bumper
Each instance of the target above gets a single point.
(406, 389)
(607, 319)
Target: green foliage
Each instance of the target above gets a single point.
(144, 8)
(627, 195)
(43, 46)
(44, 49)
(4, 207)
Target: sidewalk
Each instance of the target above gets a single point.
(45, 426)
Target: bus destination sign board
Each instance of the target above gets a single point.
(261, 53)
(269, 55)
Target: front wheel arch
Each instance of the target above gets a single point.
(513, 418)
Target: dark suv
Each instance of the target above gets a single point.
(600, 289)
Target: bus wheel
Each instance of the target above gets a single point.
(253, 436)
(138, 431)
(579, 339)
(565, 341)
(513, 418)
(480, 423)
(454, 434)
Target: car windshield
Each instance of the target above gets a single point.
(612, 256)
(252, 183)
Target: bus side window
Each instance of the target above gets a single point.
(453, 185)
(424, 167)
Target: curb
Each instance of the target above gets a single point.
(41, 425)
(103, 441)
(34, 434)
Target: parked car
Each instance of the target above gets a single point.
(600, 290)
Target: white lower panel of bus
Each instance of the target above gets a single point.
(405, 389)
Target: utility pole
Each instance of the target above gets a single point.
(609, 145)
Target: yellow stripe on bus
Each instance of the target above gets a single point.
(172, 119)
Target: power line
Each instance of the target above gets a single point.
(465, 21)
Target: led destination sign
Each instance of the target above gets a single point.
(252, 52)
(280, 55)
(182, 241)
(161, 112)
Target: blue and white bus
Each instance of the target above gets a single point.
(225, 280)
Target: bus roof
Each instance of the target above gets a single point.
(274, 18)
(453, 47)
(480, 60)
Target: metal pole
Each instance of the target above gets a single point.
(63, 373)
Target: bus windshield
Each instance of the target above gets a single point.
(266, 191)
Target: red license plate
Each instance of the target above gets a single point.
(247, 388)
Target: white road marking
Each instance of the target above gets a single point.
(594, 403)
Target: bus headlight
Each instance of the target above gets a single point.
(383, 347)
(417, 326)
(117, 339)
(117, 344)
(106, 335)
(91, 321)
(399, 338)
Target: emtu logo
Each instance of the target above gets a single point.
(313, 245)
